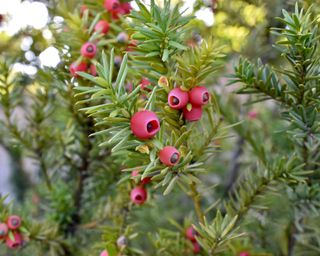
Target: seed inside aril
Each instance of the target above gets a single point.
(149, 127)
(90, 48)
(205, 97)
(174, 158)
(174, 100)
(152, 125)
(138, 198)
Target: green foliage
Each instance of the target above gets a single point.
(161, 33)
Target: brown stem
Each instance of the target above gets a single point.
(195, 196)
(234, 165)
(83, 175)
(291, 239)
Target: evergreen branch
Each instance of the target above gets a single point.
(215, 236)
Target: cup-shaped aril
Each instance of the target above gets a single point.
(177, 98)
(14, 222)
(111, 5)
(14, 243)
(88, 50)
(145, 124)
(138, 195)
(169, 156)
(199, 96)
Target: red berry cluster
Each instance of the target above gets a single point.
(116, 8)
(9, 232)
(190, 102)
(191, 235)
(89, 49)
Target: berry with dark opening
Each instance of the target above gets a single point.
(16, 242)
(138, 195)
(111, 5)
(89, 50)
(169, 156)
(177, 98)
(199, 96)
(145, 124)
(14, 222)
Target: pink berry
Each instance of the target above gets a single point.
(13, 244)
(3, 230)
(244, 254)
(88, 50)
(125, 7)
(93, 70)
(199, 96)
(144, 181)
(74, 68)
(196, 247)
(191, 234)
(14, 222)
(145, 124)
(102, 26)
(111, 5)
(104, 253)
(138, 195)
(177, 99)
(252, 114)
(194, 114)
(169, 156)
